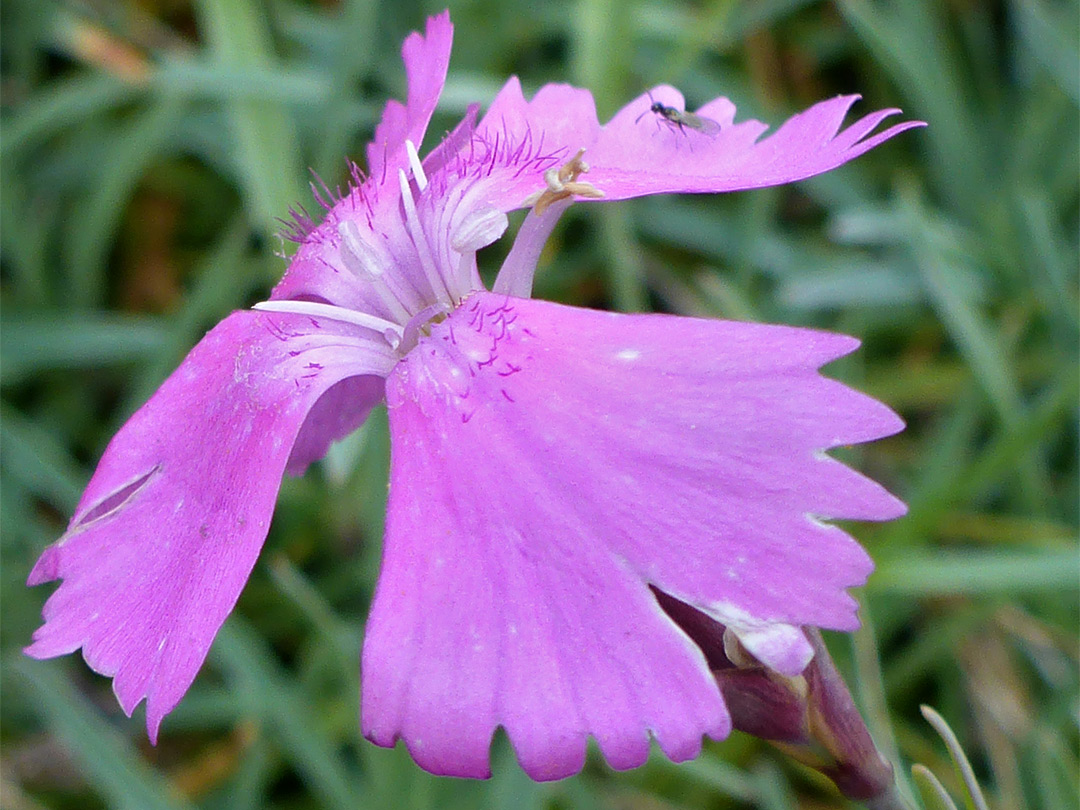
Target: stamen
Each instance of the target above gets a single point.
(467, 274)
(554, 189)
(418, 322)
(416, 166)
(423, 250)
(516, 274)
(563, 184)
(390, 331)
(362, 259)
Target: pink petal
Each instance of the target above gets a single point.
(559, 114)
(549, 464)
(639, 153)
(518, 139)
(427, 58)
(336, 414)
(173, 519)
(317, 271)
(456, 140)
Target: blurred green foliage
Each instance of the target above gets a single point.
(147, 150)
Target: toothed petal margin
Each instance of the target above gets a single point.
(636, 154)
(427, 57)
(549, 463)
(172, 521)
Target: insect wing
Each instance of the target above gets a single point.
(706, 126)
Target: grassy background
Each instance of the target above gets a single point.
(147, 149)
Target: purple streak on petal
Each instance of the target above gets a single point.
(453, 143)
(550, 463)
(173, 519)
(427, 58)
(522, 138)
(321, 272)
(516, 274)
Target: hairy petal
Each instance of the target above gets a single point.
(319, 271)
(549, 464)
(517, 139)
(171, 522)
(639, 152)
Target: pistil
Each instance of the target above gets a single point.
(416, 166)
(439, 289)
(391, 332)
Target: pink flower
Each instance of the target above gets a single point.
(551, 465)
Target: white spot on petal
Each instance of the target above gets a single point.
(628, 355)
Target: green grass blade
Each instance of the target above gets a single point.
(257, 679)
(267, 149)
(62, 105)
(934, 795)
(978, 573)
(1049, 33)
(107, 760)
(33, 344)
(975, 798)
(135, 146)
(34, 458)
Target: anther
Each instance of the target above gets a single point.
(562, 184)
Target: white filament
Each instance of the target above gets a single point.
(423, 250)
(416, 166)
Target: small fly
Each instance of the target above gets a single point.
(681, 118)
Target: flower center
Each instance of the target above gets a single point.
(404, 294)
(404, 304)
(467, 361)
